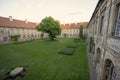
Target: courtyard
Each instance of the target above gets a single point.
(44, 61)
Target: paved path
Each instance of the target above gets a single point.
(91, 69)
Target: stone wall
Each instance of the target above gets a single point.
(105, 41)
(114, 44)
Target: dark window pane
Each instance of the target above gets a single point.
(117, 33)
(118, 24)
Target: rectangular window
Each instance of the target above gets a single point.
(118, 24)
(96, 27)
(5, 38)
(101, 25)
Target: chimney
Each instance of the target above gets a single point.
(26, 21)
(10, 18)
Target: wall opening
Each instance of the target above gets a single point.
(109, 70)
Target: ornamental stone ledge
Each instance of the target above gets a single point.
(114, 44)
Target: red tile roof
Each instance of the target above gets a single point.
(5, 22)
(74, 25)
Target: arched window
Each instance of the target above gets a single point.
(97, 57)
(109, 70)
(98, 54)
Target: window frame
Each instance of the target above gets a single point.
(117, 34)
(102, 18)
(101, 25)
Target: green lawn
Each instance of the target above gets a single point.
(43, 60)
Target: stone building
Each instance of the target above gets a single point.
(72, 30)
(104, 28)
(10, 27)
(26, 30)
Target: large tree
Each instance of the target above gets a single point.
(50, 26)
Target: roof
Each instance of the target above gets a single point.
(74, 25)
(5, 22)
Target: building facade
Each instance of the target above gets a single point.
(104, 28)
(10, 27)
(27, 30)
(72, 30)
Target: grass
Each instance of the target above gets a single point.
(43, 60)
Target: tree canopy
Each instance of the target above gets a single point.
(81, 31)
(50, 26)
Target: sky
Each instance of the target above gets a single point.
(66, 11)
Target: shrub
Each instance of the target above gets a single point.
(77, 40)
(91, 43)
(15, 37)
(67, 51)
